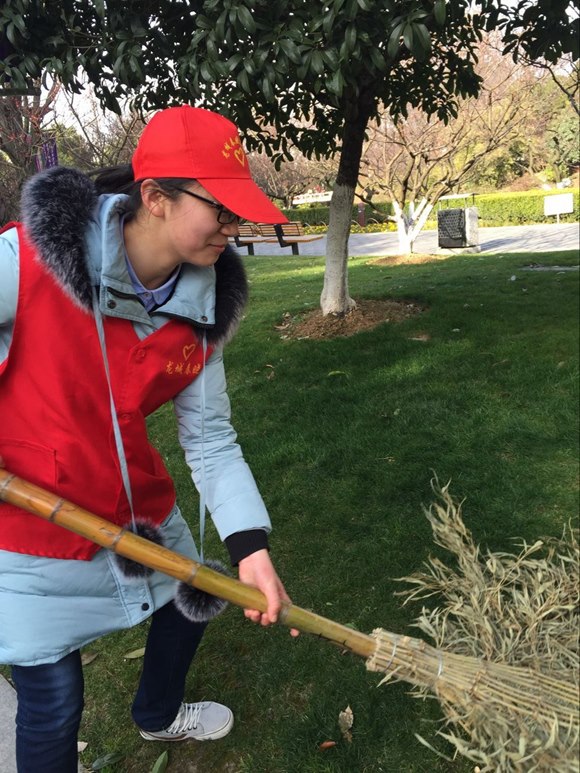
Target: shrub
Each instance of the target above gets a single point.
(518, 208)
(309, 216)
(316, 216)
(372, 228)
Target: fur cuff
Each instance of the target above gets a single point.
(197, 605)
(132, 570)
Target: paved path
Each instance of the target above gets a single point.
(533, 238)
(7, 729)
(525, 238)
(7, 734)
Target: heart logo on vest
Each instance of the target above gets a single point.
(188, 350)
(240, 156)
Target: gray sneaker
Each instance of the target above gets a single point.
(198, 721)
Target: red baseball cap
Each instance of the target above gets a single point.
(204, 146)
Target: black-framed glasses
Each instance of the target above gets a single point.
(224, 216)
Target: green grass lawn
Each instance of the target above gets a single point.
(344, 463)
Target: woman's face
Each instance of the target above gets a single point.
(190, 232)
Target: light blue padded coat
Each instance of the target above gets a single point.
(51, 607)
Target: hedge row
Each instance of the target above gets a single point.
(494, 209)
(521, 208)
(319, 215)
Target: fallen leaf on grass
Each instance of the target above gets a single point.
(345, 722)
(161, 763)
(107, 759)
(135, 654)
(88, 657)
(327, 745)
(337, 373)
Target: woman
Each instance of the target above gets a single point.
(111, 305)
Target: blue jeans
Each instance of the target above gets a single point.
(50, 697)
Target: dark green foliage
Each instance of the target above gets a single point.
(538, 29)
(324, 64)
(414, 51)
(564, 140)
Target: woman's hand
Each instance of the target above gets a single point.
(257, 570)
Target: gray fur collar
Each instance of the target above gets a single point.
(57, 205)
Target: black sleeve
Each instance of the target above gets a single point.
(243, 543)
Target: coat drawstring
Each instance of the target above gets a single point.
(196, 605)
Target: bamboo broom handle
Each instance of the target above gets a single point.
(50, 507)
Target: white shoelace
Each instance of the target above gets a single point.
(188, 717)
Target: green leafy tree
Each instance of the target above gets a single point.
(535, 30)
(565, 141)
(289, 73)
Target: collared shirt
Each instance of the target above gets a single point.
(152, 299)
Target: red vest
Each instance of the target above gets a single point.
(55, 419)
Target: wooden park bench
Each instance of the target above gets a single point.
(248, 236)
(287, 234)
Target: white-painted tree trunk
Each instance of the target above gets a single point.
(409, 224)
(335, 298)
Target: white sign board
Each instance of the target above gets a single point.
(559, 204)
(311, 198)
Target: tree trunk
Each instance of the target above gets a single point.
(404, 232)
(335, 298)
(404, 236)
(409, 228)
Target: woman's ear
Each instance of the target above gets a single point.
(153, 198)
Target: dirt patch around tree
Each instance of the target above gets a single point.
(367, 315)
(399, 260)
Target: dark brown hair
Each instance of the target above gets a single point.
(120, 179)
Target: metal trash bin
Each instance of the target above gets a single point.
(458, 228)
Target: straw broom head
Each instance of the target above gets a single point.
(515, 718)
(505, 664)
